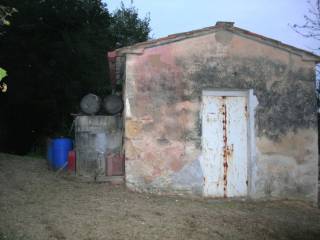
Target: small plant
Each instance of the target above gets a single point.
(3, 86)
(5, 12)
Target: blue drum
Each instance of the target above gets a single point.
(60, 150)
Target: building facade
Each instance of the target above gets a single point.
(219, 112)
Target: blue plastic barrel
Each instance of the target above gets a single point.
(60, 149)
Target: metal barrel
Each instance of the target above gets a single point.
(113, 104)
(90, 104)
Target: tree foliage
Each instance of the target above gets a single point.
(6, 12)
(127, 28)
(3, 73)
(55, 52)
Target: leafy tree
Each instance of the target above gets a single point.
(56, 52)
(127, 28)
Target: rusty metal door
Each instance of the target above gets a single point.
(225, 145)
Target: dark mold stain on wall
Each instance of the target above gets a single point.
(286, 94)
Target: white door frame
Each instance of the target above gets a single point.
(252, 103)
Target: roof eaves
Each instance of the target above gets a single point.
(228, 26)
(139, 47)
(306, 55)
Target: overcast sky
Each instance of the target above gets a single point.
(270, 18)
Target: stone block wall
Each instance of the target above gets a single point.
(162, 93)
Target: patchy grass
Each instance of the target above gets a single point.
(37, 204)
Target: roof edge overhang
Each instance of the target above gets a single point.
(220, 26)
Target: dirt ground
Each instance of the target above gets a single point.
(38, 204)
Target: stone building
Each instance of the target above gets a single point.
(219, 112)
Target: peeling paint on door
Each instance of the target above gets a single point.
(225, 145)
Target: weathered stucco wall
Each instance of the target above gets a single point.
(163, 127)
